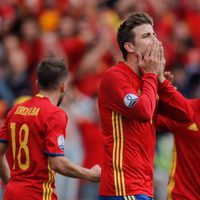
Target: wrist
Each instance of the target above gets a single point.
(161, 79)
(87, 174)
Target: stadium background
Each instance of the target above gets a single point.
(83, 32)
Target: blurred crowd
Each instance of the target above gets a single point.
(83, 33)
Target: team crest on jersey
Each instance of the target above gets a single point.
(61, 142)
(130, 100)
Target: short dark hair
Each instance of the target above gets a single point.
(51, 72)
(125, 33)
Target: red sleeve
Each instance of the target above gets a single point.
(173, 105)
(4, 133)
(119, 94)
(55, 131)
(164, 124)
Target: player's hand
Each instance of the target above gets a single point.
(95, 173)
(169, 76)
(161, 76)
(151, 61)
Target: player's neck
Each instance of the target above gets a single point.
(132, 62)
(53, 96)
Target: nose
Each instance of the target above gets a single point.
(154, 38)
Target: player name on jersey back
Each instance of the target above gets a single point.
(22, 110)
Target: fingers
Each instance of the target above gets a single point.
(153, 51)
(153, 60)
(154, 55)
(148, 52)
(95, 173)
(139, 56)
(161, 50)
(169, 76)
(156, 52)
(162, 55)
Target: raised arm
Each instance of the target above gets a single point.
(119, 93)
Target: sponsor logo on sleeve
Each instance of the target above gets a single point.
(61, 142)
(130, 100)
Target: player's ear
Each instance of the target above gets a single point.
(37, 84)
(62, 88)
(129, 46)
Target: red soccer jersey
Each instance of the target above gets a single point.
(128, 110)
(34, 130)
(184, 180)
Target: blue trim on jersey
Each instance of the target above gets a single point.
(135, 197)
(110, 198)
(143, 197)
(3, 141)
(54, 154)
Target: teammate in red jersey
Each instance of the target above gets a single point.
(184, 180)
(128, 109)
(33, 134)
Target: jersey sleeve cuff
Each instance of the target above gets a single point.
(53, 154)
(164, 84)
(151, 78)
(150, 74)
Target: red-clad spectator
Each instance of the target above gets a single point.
(192, 17)
(73, 44)
(7, 17)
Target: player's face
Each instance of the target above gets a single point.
(144, 36)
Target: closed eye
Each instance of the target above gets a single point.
(148, 35)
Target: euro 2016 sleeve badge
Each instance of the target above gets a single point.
(130, 100)
(61, 142)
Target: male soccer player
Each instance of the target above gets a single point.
(128, 109)
(33, 134)
(184, 180)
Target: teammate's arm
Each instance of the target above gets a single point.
(4, 168)
(54, 149)
(173, 104)
(165, 124)
(65, 167)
